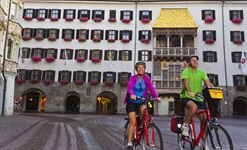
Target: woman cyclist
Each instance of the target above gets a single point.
(138, 86)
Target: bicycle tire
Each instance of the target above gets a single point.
(186, 142)
(154, 137)
(126, 126)
(218, 138)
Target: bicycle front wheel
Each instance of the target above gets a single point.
(218, 138)
(152, 138)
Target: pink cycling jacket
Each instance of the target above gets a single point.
(148, 84)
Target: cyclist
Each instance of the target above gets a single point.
(192, 78)
(138, 85)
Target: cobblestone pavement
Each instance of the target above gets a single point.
(41, 131)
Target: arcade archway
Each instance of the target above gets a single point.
(106, 103)
(72, 103)
(240, 106)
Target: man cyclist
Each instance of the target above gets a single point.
(192, 78)
(138, 86)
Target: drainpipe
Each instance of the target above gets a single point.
(224, 53)
(4, 55)
(135, 34)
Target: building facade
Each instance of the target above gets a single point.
(77, 56)
(10, 37)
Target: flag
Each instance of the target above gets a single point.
(66, 58)
(110, 61)
(243, 65)
(20, 61)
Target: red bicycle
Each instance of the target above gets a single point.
(149, 136)
(216, 137)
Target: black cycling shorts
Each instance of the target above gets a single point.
(199, 105)
(133, 107)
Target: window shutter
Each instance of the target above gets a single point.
(234, 80)
(103, 15)
(129, 75)
(204, 35)
(101, 34)
(120, 55)
(92, 34)
(24, 13)
(231, 15)
(79, 14)
(231, 34)
(130, 55)
(106, 34)
(214, 35)
(35, 13)
(63, 32)
(86, 54)
(121, 35)
(99, 76)
(114, 77)
(45, 53)
(204, 56)
(203, 14)
(88, 14)
(32, 52)
(45, 33)
(118, 77)
(130, 34)
(100, 54)
(131, 15)
(93, 14)
(116, 34)
(40, 73)
(59, 13)
(70, 76)
(149, 55)
(150, 15)
(233, 58)
(76, 52)
(241, 14)
(139, 55)
(245, 80)
(216, 79)
(104, 76)
(115, 55)
(215, 56)
(89, 76)
(91, 54)
(213, 11)
(34, 32)
(28, 74)
(77, 33)
(43, 75)
(84, 76)
(46, 13)
(53, 75)
(140, 35)
(73, 34)
(64, 13)
(74, 14)
(74, 76)
(242, 35)
(105, 58)
(121, 15)
(140, 15)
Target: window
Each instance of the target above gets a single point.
(123, 77)
(125, 55)
(157, 68)
(234, 14)
(14, 12)
(145, 16)
(69, 53)
(97, 35)
(209, 36)
(79, 76)
(209, 56)
(49, 75)
(81, 53)
(236, 57)
(145, 36)
(96, 53)
(110, 54)
(69, 14)
(39, 34)
(94, 77)
(83, 13)
(112, 14)
(126, 15)
(64, 75)
(208, 15)
(25, 52)
(37, 52)
(171, 105)
(51, 52)
(82, 34)
(36, 75)
(28, 14)
(10, 49)
(237, 37)
(213, 78)
(22, 74)
(173, 75)
(27, 33)
(111, 35)
(239, 80)
(42, 14)
(126, 35)
(98, 15)
(109, 77)
(144, 55)
(54, 14)
(68, 34)
(53, 34)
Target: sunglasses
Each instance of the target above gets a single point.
(140, 85)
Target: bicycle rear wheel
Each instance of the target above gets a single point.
(218, 138)
(154, 137)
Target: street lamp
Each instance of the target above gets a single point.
(4, 54)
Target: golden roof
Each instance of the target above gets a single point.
(174, 18)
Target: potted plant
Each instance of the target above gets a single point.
(79, 82)
(48, 81)
(81, 39)
(125, 20)
(67, 39)
(28, 18)
(145, 20)
(112, 19)
(36, 58)
(97, 19)
(237, 20)
(40, 18)
(96, 39)
(145, 40)
(241, 87)
(49, 59)
(39, 38)
(54, 19)
(34, 81)
(26, 38)
(94, 82)
(109, 83)
(209, 20)
(83, 19)
(63, 82)
(52, 38)
(80, 59)
(20, 81)
(237, 41)
(95, 60)
(69, 19)
(209, 41)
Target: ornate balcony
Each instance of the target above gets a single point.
(173, 51)
(167, 83)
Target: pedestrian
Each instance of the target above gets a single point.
(192, 79)
(138, 86)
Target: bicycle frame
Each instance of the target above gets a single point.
(203, 129)
(146, 120)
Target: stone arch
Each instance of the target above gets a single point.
(240, 106)
(72, 102)
(33, 99)
(106, 103)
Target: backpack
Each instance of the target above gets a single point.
(176, 123)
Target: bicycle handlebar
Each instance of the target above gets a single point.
(146, 99)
